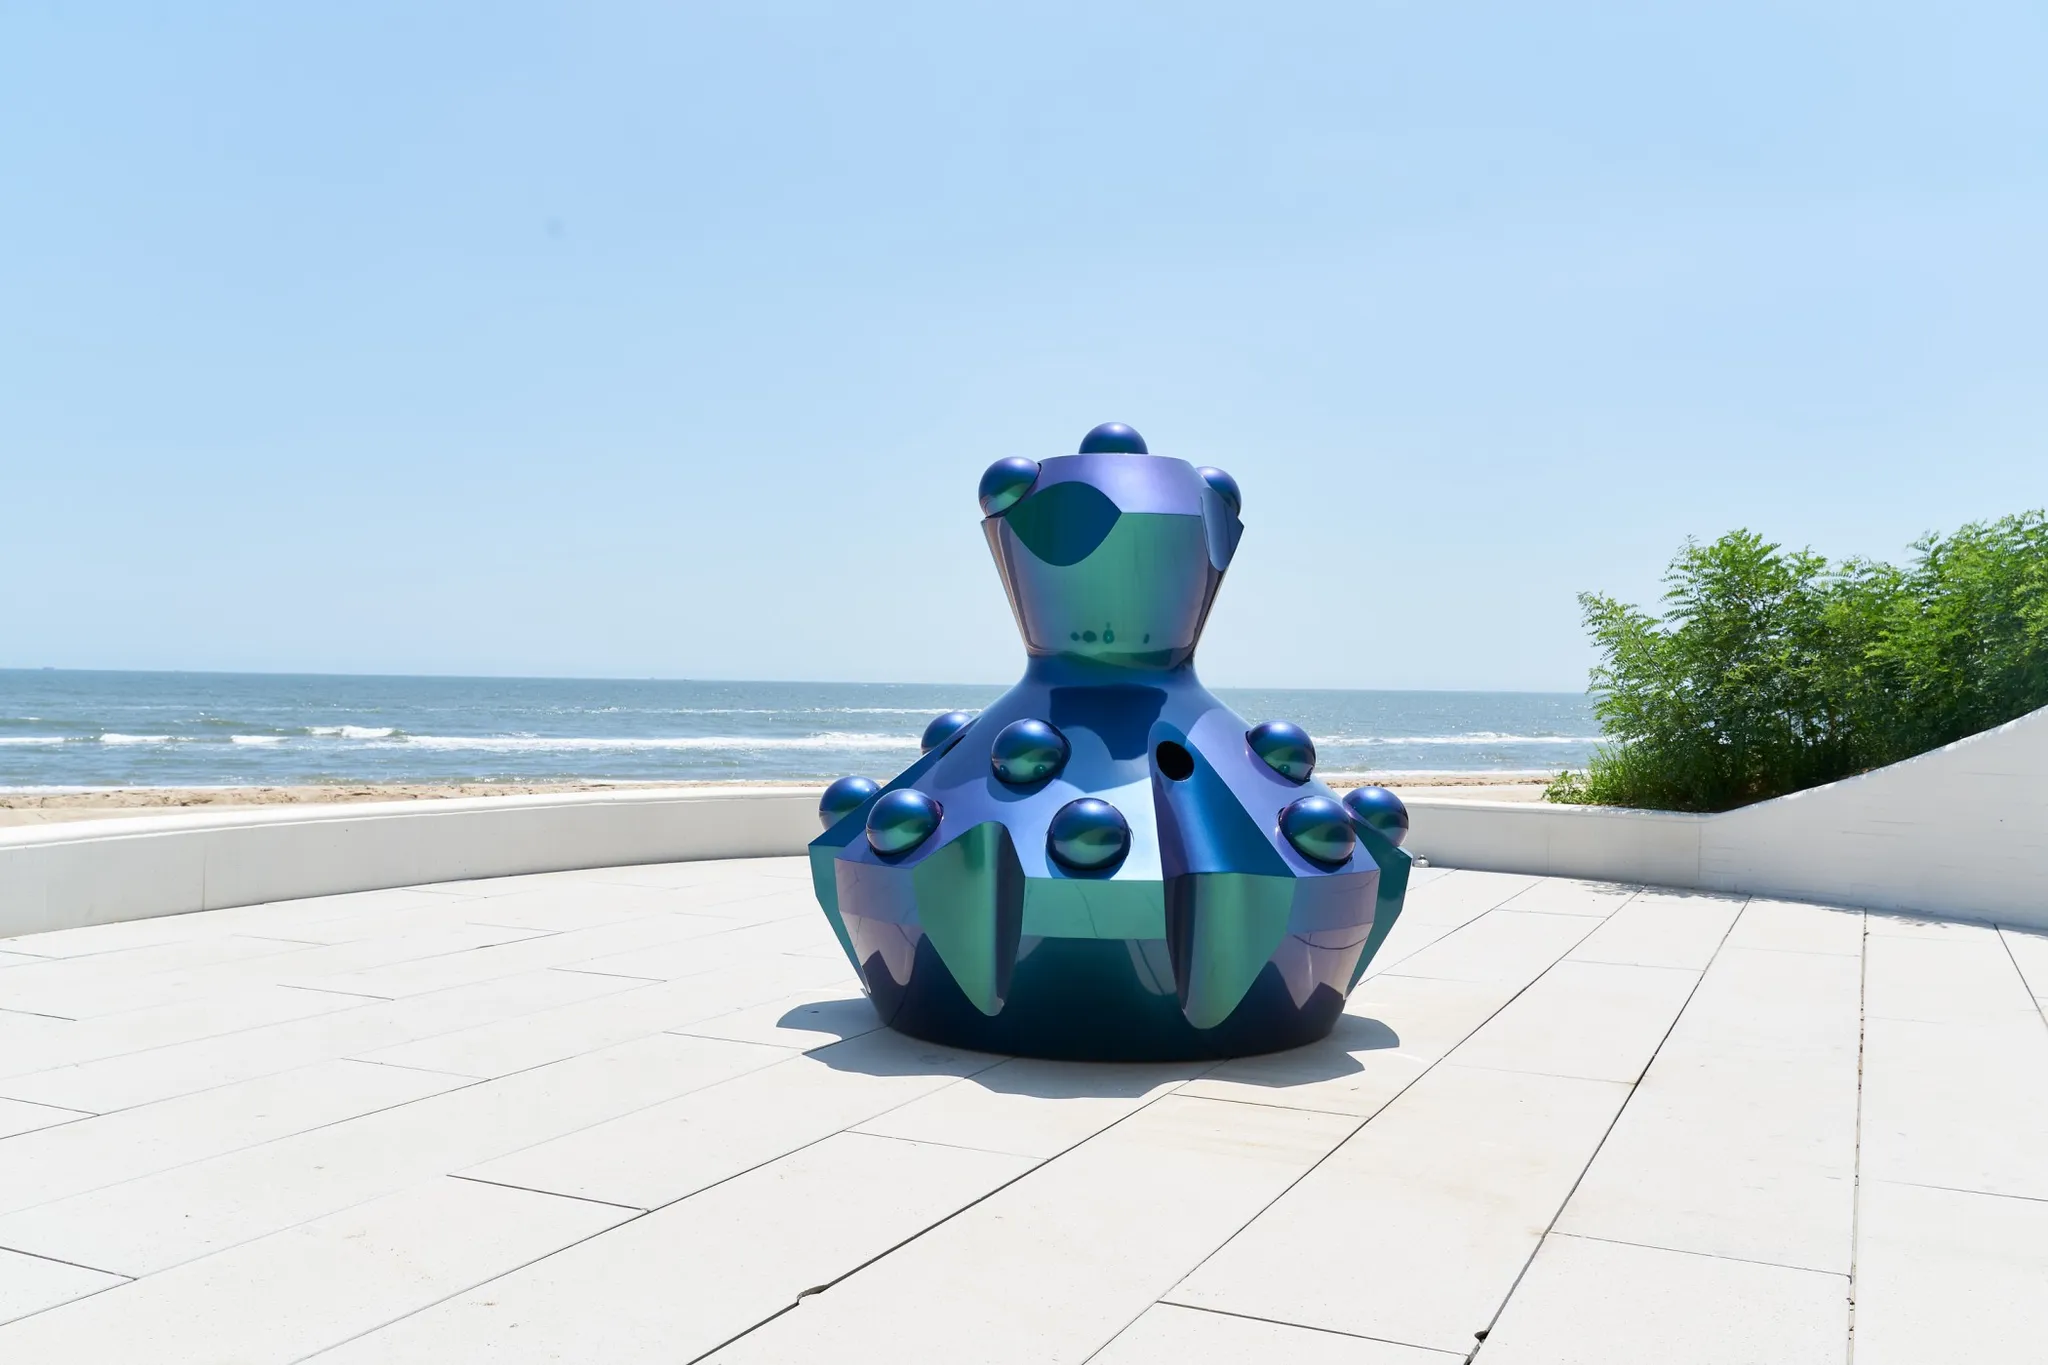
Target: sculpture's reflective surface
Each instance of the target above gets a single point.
(1108, 863)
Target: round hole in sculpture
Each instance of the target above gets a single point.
(1175, 763)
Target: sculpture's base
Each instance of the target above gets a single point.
(1099, 1000)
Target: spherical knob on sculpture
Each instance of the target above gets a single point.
(1088, 835)
(1005, 483)
(944, 728)
(1379, 810)
(1028, 751)
(1225, 486)
(901, 820)
(1113, 438)
(1285, 747)
(1320, 829)
(844, 797)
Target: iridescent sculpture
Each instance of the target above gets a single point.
(1107, 863)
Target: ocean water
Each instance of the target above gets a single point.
(63, 729)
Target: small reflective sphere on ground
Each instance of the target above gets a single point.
(1379, 810)
(1225, 486)
(1319, 828)
(1286, 748)
(944, 728)
(1088, 835)
(1005, 483)
(901, 820)
(844, 797)
(1027, 751)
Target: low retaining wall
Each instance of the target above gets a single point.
(1960, 832)
(99, 871)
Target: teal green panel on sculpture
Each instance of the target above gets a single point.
(1114, 605)
(970, 904)
(1229, 924)
(1076, 907)
(1393, 865)
(824, 852)
(1062, 524)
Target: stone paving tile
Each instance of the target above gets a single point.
(1171, 1335)
(30, 1284)
(1794, 927)
(1500, 946)
(1595, 1020)
(1662, 929)
(1607, 1303)
(1562, 896)
(19, 1117)
(1949, 1275)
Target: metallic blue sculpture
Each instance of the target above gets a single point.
(1107, 863)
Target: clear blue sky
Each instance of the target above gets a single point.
(672, 339)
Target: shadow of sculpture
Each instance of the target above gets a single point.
(862, 1045)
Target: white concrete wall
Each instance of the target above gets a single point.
(94, 872)
(1961, 831)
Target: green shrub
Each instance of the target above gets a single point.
(1771, 671)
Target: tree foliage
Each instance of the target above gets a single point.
(1773, 670)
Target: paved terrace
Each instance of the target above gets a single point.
(641, 1115)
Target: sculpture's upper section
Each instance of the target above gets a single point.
(1114, 554)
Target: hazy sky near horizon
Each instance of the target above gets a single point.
(671, 340)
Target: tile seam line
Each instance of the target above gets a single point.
(1593, 1156)
(1856, 1177)
(2040, 1005)
(1356, 1129)
(1304, 1327)
(1704, 1255)
(75, 1265)
(294, 986)
(76, 1115)
(633, 1209)
(1875, 1180)
(423, 1070)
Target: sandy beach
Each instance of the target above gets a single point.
(43, 808)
